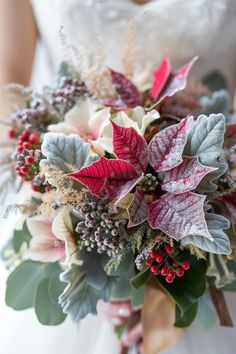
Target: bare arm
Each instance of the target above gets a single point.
(18, 37)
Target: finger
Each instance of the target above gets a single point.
(118, 309)
(133, 336)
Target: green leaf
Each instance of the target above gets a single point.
(185, 319)
(205, 140)
(122, 289)
(21, 236)
(141, 278)
(187, 290)
(55, 286)
(47, 310)
(61, 150)
(23, 282)
(79, 298)
(137, 296)
(216, 224)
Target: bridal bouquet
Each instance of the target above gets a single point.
(132, 190)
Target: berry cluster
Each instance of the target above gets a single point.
(28, 157)
(66, 95)
(100, 227)
(167, 261)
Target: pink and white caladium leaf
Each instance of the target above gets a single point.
(138, 209)
(179, 215)
(127, 92)
(166, 147)
(186, 176)
(167, 83)
(108, 177)
(130, 146)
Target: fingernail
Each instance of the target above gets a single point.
(124, 312)
(115, 321)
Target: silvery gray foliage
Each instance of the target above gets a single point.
(205, 140)
(217, 102)
(80, 298)
(62, 150)
(221, 244)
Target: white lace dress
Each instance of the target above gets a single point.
(183, 28)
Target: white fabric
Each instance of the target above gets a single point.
(183, 28)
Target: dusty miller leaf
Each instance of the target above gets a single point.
(220, 244)
(205, 140)
(62, 150)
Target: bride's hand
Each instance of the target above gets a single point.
(115, 312)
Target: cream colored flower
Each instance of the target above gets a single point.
(84, 119)
(137, 118)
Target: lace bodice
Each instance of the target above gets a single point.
(183, 28)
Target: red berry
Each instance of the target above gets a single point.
(185, 265)
(29, 160)
(169, 249)
(148, 137)
(26, 145)
(159, 258)
(11, 133)
(175, 264)
(35, 188)
(180, 272)
(147, 261)
(164, 271)
(33, 138)
(24, 169)
(169, 279)
(154, 254)
(19, 149)
(25, 135)
(154, 269)
(171, 273)
(154, 130)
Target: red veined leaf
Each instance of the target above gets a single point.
(186, 176)
(166, 147)
(106, 177)
(177, 80)
(138, 209)
(161, 76)
(179, 215)
(128, 93)
(130, 146)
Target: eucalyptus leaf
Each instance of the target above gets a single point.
(21, 236)
(185, 319)
(186, 291)
(137, 296)
(122, 289)
(23, 282)
(205, 140)
(221, 244)
(47, 310)
(55, 286)
(62, 150)
(79, 298)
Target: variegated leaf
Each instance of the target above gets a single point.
(161, 76)
(186, 176)
(106, 177)
(138, 209)
(179, 215)
(130, 146)
(177, 80)
(166, 147)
